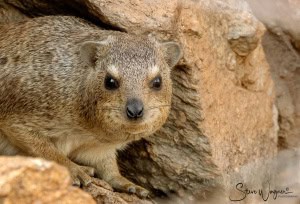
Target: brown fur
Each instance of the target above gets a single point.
(53, 103)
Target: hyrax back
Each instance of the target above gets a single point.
(73, 93)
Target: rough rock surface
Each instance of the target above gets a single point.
(281, 17)
(223, 106)
(223, 114)
(119, 14)
(28, 180)
(282, 47)
(285, 68)
(33, 180)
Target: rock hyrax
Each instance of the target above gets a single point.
(73, 93)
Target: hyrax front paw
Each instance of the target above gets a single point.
(88, 170)
(81, 174)
(122, 184)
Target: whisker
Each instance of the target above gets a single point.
(150, 92)
(111, 108)
(114, 108)
(154, 107)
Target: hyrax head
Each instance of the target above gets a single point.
(129, 82)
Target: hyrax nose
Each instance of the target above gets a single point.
(134, 109)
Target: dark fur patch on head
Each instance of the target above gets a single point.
(3, 60)
(49, 56)
(16, 58)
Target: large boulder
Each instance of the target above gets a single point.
(28, 180)
(33, 180)
(282, 48)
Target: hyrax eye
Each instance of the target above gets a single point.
(110, 83)
(156, 83)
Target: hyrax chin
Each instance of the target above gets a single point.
(73, 93)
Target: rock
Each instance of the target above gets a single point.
(282, 46)
(281, 17)
(33, 180)
(285, 71)
(120, 14)
(242, 36)
(227, 100)
(29, 180)
(130, 15)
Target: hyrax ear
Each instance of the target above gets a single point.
(172, 53)
(91, 51)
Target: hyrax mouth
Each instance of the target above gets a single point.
(137, 129)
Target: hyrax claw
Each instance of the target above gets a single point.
(141, 192)
(79, 175)
(122, 184)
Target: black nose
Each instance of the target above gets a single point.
(134, 108)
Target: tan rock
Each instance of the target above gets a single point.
(125, 15)
(32, 180)
(282, 18)
(285, 71)
(29, 180)
(226, 94)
